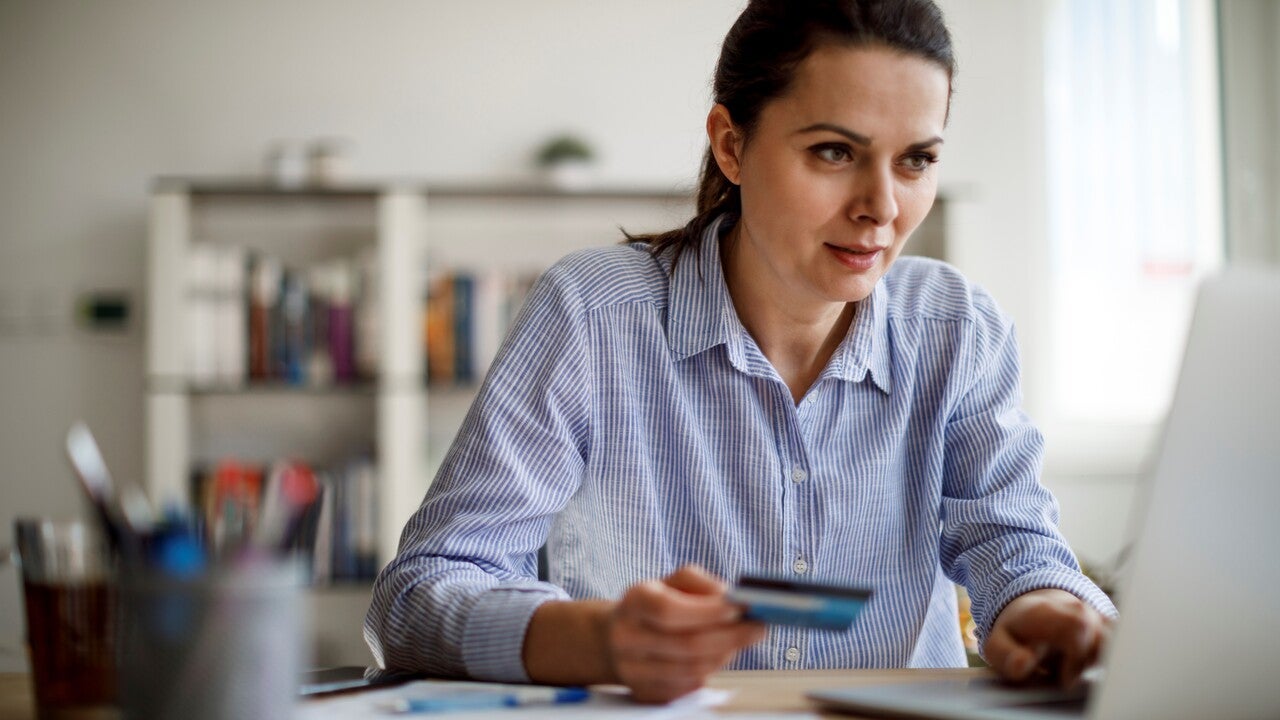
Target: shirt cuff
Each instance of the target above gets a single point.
(493, 640)
(1066, 579)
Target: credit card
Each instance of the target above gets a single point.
(804, 604)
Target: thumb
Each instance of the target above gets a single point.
(696, 581)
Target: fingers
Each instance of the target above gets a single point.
(640, 666)
(663, 689)
(693, 579)
(666, 637)
(1046, 634)
(661, 674)
(1012, 659)
(1093, 640)
(665, 606)
(713, 644)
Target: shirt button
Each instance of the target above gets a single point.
(800, 566)
(799, 475)
(793, 654)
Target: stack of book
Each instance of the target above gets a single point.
(465, 317)
(334, 529)
(254, 319)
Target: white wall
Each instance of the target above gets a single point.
(994, 158)
(1251, 115)
(97, 98)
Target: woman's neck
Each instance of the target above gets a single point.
(798, 338)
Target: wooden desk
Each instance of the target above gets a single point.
(761, 691)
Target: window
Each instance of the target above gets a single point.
(1134, 197)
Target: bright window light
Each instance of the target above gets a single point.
(1134, 197)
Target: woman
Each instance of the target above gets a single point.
(769, 389)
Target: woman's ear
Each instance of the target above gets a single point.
(726, 142)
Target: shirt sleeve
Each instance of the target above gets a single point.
(999, 534)
(458, 596)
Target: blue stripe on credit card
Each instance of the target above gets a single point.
(787, 602)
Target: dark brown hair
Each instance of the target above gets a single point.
(758, 59)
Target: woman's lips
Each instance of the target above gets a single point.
(855, 259)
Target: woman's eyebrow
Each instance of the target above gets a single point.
(860, 139)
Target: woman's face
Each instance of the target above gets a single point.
(836, 174)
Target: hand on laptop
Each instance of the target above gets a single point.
(1046, 635)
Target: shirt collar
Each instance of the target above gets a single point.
(865, 349)
(700, 315)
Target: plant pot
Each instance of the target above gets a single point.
(570, 175)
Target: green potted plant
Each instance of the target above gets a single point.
(566, 161)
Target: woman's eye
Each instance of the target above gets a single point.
(833, 153)
(919, 162)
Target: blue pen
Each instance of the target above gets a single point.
(482, 700)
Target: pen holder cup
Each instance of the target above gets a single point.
(225, 644)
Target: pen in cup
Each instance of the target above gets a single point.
(122, 508)
(487, 700)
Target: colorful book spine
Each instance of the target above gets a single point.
(294, 307)
(367, 327)
(465, 319)
(326, 516)
(263, 302)
(441, 355)
(232, 317)
(341, 317)
(319, 362)
(463, 322)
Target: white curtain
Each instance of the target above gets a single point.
(1134, 181)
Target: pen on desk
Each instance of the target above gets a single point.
(482, 700)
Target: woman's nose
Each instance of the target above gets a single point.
(873, 200)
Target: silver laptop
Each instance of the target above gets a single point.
(1199, 634)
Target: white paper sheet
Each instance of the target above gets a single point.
(604, 703)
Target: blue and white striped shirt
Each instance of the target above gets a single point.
(632, 423)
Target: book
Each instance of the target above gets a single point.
(231, 316)
(263, 299)
(294, 305)
(441, 355)
(319, 363)
(367, 302)
(463, 323)
(340, 323)
(328, 517)
(489, 319)
(465, 320)
(201, 311)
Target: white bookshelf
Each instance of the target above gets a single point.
(412, 225)
(187, 423)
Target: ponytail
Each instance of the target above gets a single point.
(716, 196)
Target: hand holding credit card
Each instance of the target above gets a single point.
(804, 604)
